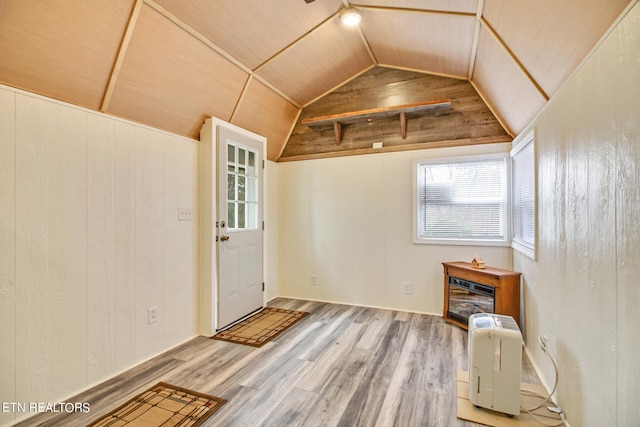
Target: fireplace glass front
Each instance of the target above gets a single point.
(467, 297)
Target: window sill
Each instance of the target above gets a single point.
(456, 242)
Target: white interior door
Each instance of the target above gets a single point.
(240, 229)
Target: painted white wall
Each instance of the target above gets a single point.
(90, 239)
(348, 221)
(582, 293)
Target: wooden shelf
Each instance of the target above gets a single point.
(337, 120)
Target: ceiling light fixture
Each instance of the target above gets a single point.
(350, 16)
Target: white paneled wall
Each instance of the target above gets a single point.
(582, 293)
(271, 272)
(348, 222)
(90, 239)
(50, 249)
(7, 252)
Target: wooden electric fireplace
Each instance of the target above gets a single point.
(469, 290)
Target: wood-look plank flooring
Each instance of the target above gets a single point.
(340, 366)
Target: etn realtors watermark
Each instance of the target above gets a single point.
(38, 407)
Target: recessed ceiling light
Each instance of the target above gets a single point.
(350, 16)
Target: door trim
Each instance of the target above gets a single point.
(207, 217)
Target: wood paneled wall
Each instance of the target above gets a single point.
(469, 121)
(90, 240)
(582, 292)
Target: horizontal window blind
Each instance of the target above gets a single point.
(524, 207)
(463, 200)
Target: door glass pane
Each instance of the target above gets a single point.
(252, 215)
(241, 214)
(251, 193)
(231, 215)
(241, 187)
(231, 187)
(231, 153)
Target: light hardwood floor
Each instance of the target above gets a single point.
(340, 366)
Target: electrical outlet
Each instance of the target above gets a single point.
(152, 315)
(314, 280)
(185, 214)
(543, 342)
(406, 286)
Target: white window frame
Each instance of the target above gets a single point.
(505, 241)
(519, 243)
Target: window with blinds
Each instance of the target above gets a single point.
(524, 197)
(463, 201)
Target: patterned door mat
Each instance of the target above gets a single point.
(163, 405)
(262, 327)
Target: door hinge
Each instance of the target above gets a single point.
(263, 225)
(262, 286)
(263, 164)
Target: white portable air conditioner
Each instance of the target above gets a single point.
(495, 362)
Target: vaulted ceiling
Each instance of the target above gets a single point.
(255, 63)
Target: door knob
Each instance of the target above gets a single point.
(224, 238)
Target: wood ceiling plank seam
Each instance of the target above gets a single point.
(276, 90)
(240, 98)
(476, 39)
(293, 126)
(124, 44)
(514, 58)
(367, 46)
(338, 86)
(493, 110)
(296, 41)
(170, 16)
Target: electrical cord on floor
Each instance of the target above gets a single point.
(546, 398)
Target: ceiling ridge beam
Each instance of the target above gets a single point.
(217, 49)
(514, 58)
(117, 65)
(476, 39)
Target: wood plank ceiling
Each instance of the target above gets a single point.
(171, 63)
